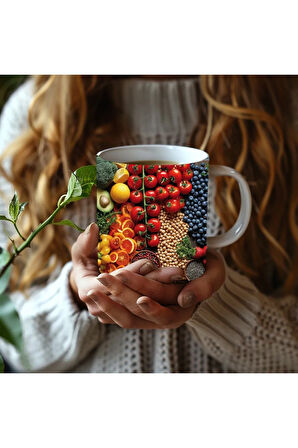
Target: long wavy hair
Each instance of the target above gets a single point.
(245, 122)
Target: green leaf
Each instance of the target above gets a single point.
(14, 207)
(22, 206)
(68, 222)
(10, 324)
(4, 279)
(3, 218)
(80, 183)
(1, 365)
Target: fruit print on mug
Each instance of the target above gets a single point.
(152, 210)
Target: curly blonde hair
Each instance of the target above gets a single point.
(249, 125)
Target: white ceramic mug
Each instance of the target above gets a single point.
(199, 163)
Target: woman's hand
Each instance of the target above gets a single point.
(139, 304)
(150, 303)
(89, 292)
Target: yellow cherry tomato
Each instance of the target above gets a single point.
(98, 262)
(105, 236)
(99, 246)
(105, 242)
(106, 259)
(105, 250)
(120, 193)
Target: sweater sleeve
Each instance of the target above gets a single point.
(57, 334)
(246, 330)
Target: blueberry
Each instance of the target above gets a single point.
(204, 221)
(190, 198)
(195, 173)
(185, 218)
(195, 227)
(204, 203)
(200, 225)
(190, 215)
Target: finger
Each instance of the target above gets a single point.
(167, 293)
(86, 244)
(141, 267)
(164, 317)
(167, 275)
(203, 287)
(120, 293)
(120, 315)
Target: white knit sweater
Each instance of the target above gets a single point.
(237, 329)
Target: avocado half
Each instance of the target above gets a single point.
(104, 201)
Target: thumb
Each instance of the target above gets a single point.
(86, 243)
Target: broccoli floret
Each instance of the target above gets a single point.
(104, 172)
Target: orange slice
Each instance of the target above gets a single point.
(115, 226)
(113, 257)
(128, 232)
(123, 258)
(120, 235)
(128, 245)
(128, 223)
(120, 266)
(110, 268)
(115, 242)
(126, 208)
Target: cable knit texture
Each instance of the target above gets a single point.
(238, 329)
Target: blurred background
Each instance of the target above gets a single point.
(9, 83)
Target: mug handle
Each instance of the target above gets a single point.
(237, 230)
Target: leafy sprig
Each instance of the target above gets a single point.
(185, 249)
(79, 186)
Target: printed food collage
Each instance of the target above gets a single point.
(152, 211)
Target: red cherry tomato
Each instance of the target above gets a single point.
(140, 229)
(137, 214)
(173, 191)
(150, 196)
(151, 169)
(134, 182)
(153, 210)
(154, 225)
(161, 194)
(136, 196)
(185, 187)
(153, 240)
(182, 202)
(183, 167)
(187, 174)
(167, 167)
(150, 181)
(172, 205)
(200, 252)
(175, 176)
(163, 178)
(134, 169)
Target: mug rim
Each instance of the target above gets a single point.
(198, 155)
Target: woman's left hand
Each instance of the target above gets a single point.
(154, 315)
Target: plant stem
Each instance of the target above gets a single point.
(144, 201)
(19, 233)
(27, 242)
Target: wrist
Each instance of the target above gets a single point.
(74, 290)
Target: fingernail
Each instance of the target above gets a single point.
(87, 230)
(90, 294)
(178, 279)
(104, 281)
(147, 267)
(144, 304)
(188, 300)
